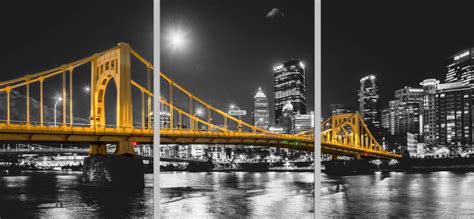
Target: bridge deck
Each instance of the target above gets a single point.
(168, 136)
(341, 149)
(30, 133)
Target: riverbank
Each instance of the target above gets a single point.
(409, 165)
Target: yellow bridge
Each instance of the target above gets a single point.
(184, 125)
(111, 65)
(348, 135)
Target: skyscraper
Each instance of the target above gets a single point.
(386, 119)
(290, 85)
(261, 114)
(428, 116)
(405, 111)
(454, 115)
(460, 67)
(369, 101)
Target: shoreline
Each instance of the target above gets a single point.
(242, 170)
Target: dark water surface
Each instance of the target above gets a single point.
(58, 194)
(399, 195)
(237, 194)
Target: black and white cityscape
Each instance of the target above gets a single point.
(413, 90)
(242, 73)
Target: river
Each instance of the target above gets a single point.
(237, 194)
(399, 195)
(58, 194)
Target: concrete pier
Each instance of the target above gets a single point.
(113, 171)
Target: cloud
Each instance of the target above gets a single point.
(275, 13)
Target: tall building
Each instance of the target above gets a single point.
(386, 119)
(336, 109)
(302, 122)
(460, 67)
(290, 85)
(428, 114)
(369, 101)
(409, 95)
(405, 111)
(261, 114)
(454, 115)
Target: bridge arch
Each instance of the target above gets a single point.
(113, 65)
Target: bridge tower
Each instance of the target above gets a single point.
(113, 65)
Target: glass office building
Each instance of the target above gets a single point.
(290, 85)
(460, 67)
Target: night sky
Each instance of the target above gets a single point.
(232, 46)
(401, 42)
(39, 35)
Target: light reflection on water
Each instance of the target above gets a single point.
(238, 194)
(437, 195)
(58, 194)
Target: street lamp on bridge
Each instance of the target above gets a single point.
(233, 106)
(58, 100)
(197, 113)
(86, 89)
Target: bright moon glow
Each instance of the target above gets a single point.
(177, 39)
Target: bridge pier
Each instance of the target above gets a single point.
(97, 150)
(357, 157)
(125, 148)
(120, 171)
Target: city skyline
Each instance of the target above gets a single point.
(399, 50)
(230, 68)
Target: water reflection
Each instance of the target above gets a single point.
(238, 194)
(438, 195)
(60, 195)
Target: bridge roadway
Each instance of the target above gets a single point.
(346, 150)
(32, 133)
(176, 136)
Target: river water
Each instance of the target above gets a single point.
(399, 195)
(58, 194)
(237, 194)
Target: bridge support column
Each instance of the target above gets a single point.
(97, 150)
(125, 148)
(357, 157)
(119, 172)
